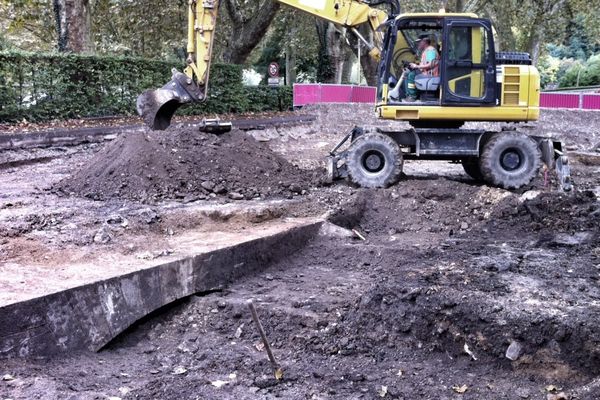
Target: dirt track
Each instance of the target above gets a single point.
(447, 266)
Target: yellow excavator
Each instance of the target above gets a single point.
(475, 82)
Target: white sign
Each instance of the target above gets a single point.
(274, 81)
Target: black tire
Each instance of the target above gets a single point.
(510, 160)
(472, 168)
(374, 160)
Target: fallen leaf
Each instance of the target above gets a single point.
(260, 346)
(469, 352)
(218, 384)
(238, 331)
(279, 374)
(557, 396)
(460, 389)
(552, 388)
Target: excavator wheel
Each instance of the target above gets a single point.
(374, 160)
(510, 160)
(472, 168)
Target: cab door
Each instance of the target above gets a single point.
(468, 63)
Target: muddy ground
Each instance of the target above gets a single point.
(452, 278)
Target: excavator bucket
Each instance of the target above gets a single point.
(157, 107)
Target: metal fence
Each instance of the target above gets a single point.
(316, 93)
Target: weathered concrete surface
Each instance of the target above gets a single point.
(89, 315)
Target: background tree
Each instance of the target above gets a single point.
(250, 22)
(73, 25)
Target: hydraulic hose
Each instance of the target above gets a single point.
(394, 5)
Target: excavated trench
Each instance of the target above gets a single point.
(457, 290)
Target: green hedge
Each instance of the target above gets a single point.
(39, 87)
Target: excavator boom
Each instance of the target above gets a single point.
(157, 107)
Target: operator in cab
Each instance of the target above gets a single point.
(428, 67)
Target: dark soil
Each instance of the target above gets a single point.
(446, 267)
(185, 164)
(451, 275)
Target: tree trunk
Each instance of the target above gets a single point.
(348, 66)
(247, 31)
(290, 65)
(331, 54)
(73, 25)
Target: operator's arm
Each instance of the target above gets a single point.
(431, 57)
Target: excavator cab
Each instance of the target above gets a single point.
(467, 71)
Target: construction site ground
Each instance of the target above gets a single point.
(458, 290)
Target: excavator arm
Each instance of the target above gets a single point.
(157, 107)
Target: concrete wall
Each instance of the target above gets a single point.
(90, 316)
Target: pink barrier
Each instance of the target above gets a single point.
(591, 102)
(322, 93)
(336, 93)
(364, 94)
(315, 93)
(306, 94)
(559, 100)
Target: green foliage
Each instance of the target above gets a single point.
(579, 43)
(266, 98)
(56, 86)
(583, 74)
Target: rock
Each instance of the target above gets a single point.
(567, 240)
(514, 350)
(294, 187)
(103, 235)
(114, 219)
(464, 226)
(148, 215)
(208, 185)
(331, 230)
(179, 370)
(530, 195)
(220, 189)
(236, 196)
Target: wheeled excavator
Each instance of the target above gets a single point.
(475, 83)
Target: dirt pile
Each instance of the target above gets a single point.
(549, 213)
(183, 163)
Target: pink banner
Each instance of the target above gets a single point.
(559, 100)
(363, 94)
(315, 93)
(591, 102)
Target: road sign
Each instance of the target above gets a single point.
(274, 70)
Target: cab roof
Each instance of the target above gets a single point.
(436, 15)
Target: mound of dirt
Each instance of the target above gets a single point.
(551, 212)
(183, 163)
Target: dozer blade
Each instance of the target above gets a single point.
(157, 107)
